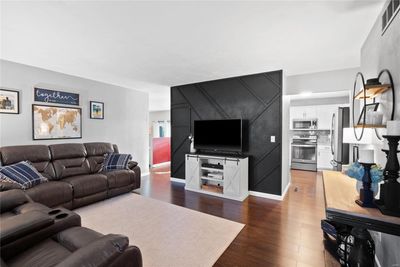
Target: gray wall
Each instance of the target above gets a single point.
(126, 110)
(379, 52)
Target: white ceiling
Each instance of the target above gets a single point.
(150, 46)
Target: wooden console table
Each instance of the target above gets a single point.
(340, 195)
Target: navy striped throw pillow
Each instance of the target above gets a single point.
(23, 174)
(116, 161)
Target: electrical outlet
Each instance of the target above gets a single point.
(272, 138)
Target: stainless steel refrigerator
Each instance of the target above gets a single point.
(340, 151)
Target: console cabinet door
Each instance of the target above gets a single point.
(192, 173)
(232, 178)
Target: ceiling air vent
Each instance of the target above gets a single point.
(390, 12)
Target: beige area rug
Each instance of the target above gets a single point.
(168, 235)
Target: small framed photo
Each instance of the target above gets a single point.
(367, 109)
(96, 110)
(9, 101)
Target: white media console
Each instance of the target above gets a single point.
(223, 176)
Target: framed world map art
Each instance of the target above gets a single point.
(55, 122)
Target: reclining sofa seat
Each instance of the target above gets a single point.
(31, 237)
(72, 166)
(74, 173)
(51, 194)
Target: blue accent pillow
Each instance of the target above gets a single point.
(23, 174)
(115, 161)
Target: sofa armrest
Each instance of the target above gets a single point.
(21, 225)
(132, 164)
(11, 199)
(101, 252)
(4, 186)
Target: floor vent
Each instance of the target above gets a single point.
(389, 14)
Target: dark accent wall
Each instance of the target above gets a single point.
(257, 99)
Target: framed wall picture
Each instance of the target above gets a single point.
(55, 122)
(367, 109)
(55, 97)
(9, 101)
(96, 110)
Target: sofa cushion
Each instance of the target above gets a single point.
(71, 167)
(77, 237)
(11, 199)
(38, 155)
(84, 185)
(120, 178)
(45, 254)
(51, 194)
(95, 154)
(31, 206)
(22, 173)
(69, 160)
(115, 161)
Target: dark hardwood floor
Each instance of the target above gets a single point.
(277, 233)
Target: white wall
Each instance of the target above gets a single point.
(286, 178)
(126, 111)
(379, 52)
(327, 81)
(164, 115)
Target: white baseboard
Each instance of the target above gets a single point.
(178, 180)
(285, 191)
(252, 193)
(271, 196)
(161, 164)
(265, 195)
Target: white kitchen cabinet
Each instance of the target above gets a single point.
(303, 112)
(323, 114)
(324, 157)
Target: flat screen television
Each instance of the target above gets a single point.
(218, 135)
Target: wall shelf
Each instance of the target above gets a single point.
(372, 91)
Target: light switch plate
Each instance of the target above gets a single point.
(272, 138)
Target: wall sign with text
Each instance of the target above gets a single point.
(56, 97)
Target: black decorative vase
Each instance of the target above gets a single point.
(389, 201)
(366, 194)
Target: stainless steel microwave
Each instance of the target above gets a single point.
(304, 124)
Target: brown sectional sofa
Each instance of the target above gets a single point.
(32, 234)
(74, 173)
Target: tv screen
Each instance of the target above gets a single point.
(223, 135)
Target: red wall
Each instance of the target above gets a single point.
(161, 150)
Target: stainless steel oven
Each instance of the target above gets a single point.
(304, 153)
(304, 124)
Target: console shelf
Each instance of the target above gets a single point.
(212, 169)
(234, 176)
(212, 179)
